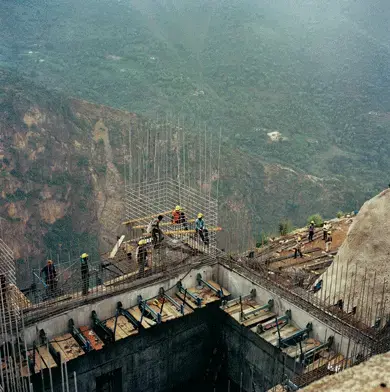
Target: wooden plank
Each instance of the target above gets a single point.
(24, 371)
(67, 345)
(93, 339)
(167, 312)
(58, 349)
(261, 318)
(308, 344)
(165, 224)
(146, 322)
(47, 357)
(39, 363)
(126, 326)
(190, 231)
(247, 304)
(189, 301)
(285, 332)
(116, 247)
(270, 334)
(119, 333)
(218, 287)
(150, 217)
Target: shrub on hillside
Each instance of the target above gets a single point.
(317, 218)
(340, 214)
(285, 227)
(263, 240)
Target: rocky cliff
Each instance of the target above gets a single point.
(62, 177)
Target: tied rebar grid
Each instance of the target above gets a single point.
(9, 305)
(147, 200)
(11, 343)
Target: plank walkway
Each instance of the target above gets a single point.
(90, 335)
(67, 347)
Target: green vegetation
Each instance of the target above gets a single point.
(317, 218)
(285, 227)
(263, 240)
(314, 71)
(340, 214)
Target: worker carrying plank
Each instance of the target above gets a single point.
(179, 218)
(141, 255)
(154, 229)
(298, 248)
(311, 231)
(200, 229)
(84, 272)
(50, 273)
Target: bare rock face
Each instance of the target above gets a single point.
(361, 269)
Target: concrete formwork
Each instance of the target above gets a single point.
(184, 349)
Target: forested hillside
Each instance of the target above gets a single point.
(300, 90)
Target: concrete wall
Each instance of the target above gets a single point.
(239, 284)
(106, 308)
(156, 360)
(253, 363)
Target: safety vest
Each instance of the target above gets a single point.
(176, 216)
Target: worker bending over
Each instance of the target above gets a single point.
(311, 231)
(154, 229)
(200, 229)
(84, 272)
(50, 277)
(298, 248)
(141, 255)
(178, 217)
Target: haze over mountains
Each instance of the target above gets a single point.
(315, 72)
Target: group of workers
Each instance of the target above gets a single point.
(50, 275)
(178, 217)
(327, 237)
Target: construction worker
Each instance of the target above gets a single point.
(328, 241)
(178, 217)
(84, 272)
(50, 277)
(325, 229)
(154, 229)
(141, 254)
(200, 228)
(311, 231)
(298, 248)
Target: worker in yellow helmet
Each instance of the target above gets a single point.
(178, 217)
(84, 272)
(200, 229)
(141, 254)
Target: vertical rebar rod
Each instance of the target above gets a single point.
(75, 381)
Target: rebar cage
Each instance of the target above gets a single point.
(147, 200)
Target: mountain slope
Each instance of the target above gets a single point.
(62, 176)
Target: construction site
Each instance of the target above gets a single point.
(166, 309)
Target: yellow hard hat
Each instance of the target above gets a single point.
(84, 255)
(312, 222)
(200, 215)
(329, 232)
(49, 261)
(142, 242)
(177, 208)
(299, 238)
